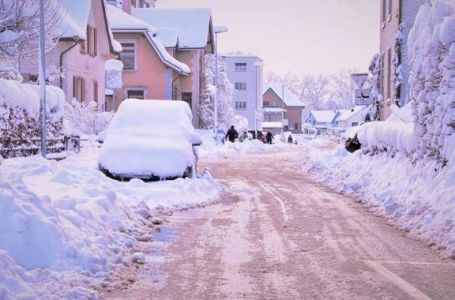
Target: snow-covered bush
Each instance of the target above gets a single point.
(374, 81)
(432, 51)
(20, 127)
(85, 118)
(208, 90)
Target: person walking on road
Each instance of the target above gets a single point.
(232, 134)
(269, 137)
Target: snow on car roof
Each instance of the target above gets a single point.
(149, 137)
(282, 91)
(193, 25)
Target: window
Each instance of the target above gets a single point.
(135, 93)
(273, 103)
(92, 46)
(128, 56)
(95, 90)
(240, 105)
(384, 9)
(188, 98)
(266, 104)
(79, 88)
(240, 67)
(240, 86)
(390, 8)
(389, 73)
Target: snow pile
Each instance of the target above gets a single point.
(432, 51)
(64, 224)
(149, 137)
(19, 118)
(412, 195)
(210, 149)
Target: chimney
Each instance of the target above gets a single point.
(126, 6)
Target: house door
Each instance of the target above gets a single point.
(188, 98)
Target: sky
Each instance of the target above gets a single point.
(297, 36)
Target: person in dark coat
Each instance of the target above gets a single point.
(290, 141)
(232, 134)
(269, 137)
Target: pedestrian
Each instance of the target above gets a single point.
(232, 134)
(269, 137)
(290, 139)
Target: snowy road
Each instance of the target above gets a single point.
(278, 235)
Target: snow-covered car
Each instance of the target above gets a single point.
(151, 140)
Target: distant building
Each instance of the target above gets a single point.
(397, 19)
(149, 71)
(322, 120)
(245, 73)
(282, 109)
(187, 34)
(350, 117)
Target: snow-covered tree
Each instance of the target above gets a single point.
(19, 32)
(85, 117)
(432, 79)
(374, 83)
(207, 94)
(342, 89)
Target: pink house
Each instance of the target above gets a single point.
(149, 71)
(187, 35)
(86, 43)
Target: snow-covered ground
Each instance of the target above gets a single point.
(413, 195)
(210, 149)
(64, 224)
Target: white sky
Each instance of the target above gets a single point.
(298, 36)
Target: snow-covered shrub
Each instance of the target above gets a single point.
(208, 90)
(20, 127)
(85, 118)
(432, 51)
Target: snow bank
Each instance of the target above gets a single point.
(415, 196)
(432, 88)
(149, 137)
(210, 149)
(26, 96)
(64, 224)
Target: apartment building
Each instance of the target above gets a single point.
(397, 19)
(245, 73)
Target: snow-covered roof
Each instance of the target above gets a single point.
(167, 36)
(272, 125)
(75, 21)
(193, 25)
(282, 91)
(324, 116)
(273, 109)
(123, 22)
(346, 114)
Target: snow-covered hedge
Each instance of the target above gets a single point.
(19, 117)
(432, 50)
(388, 137)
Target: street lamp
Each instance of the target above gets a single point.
(216, 30)
(258, 64)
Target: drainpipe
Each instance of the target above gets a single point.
(172, 86)
(76, 41)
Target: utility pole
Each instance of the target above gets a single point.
(42, 81)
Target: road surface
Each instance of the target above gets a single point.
(278, 235)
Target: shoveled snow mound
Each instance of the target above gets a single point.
(64, 225)
(210, 149)
(412, 195)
